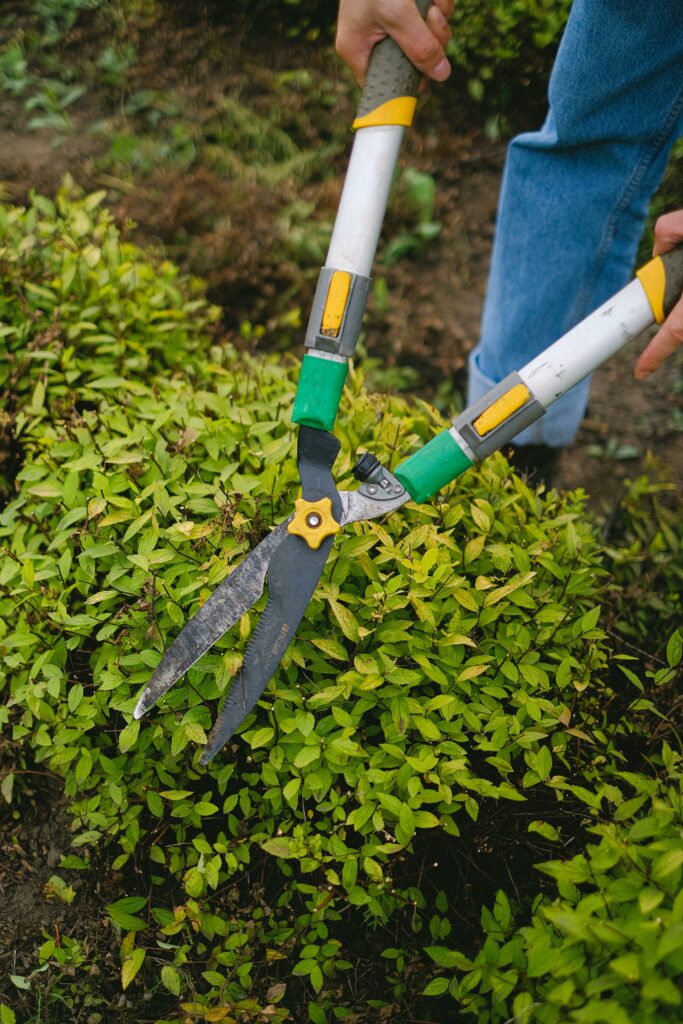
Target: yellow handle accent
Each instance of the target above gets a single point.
(335, 304)
(501, 409)
(313, 521)
(652, 276)
(397, 111)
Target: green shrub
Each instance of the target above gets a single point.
(79, 311)
(644, 550)
(450, 666)
(609, 946)
(505, 48)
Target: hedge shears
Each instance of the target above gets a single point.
(291, 559)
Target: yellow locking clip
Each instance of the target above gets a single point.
(313, 521)
(502, 409)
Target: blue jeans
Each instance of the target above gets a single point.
(574, 195)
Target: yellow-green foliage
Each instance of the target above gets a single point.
(608, 946)
(444, 665)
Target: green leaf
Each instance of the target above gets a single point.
(291, 789)
(205, 808)
(474, 548)
(195, 733)
(280, 847)
(56, 888)
(674, 649)
(316, 1014)
(347, 623)
(543, 828)
(448, 957)
(316, 978)
(306, 756)
(436, 987)
(667, 863)
(544, 762)
(260, 738)
(121, 913)
(626, 966)
(406, 824)
(6, 787)
(671, 940)
(129, 735)
(425, 819)
(131, 965)
(171, 979)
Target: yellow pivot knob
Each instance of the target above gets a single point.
(314, 521)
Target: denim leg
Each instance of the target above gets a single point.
(574, 194)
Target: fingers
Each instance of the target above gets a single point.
(668, 232)
(356, 53)
(357, 33)
(667, 340)
(362, 24)
(423, 42)
(438, 24)
(446, 7)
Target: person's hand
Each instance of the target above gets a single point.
(668, 233)
(362, 23)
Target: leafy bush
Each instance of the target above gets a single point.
(59, 16)
(77, 304)
(609, 946)
(450, 667)
(644, 548)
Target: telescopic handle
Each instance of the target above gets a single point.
(391, 85)
(386, 109)
(522, 398)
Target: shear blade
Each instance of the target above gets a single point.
(293, 575)
(228, 603)
(292, 570)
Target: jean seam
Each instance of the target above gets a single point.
(650, 151)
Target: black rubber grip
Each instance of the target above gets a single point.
(390, 73)
(673, 267)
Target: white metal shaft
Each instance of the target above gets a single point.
(364, 199)
(577, 353)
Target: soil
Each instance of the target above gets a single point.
(31, 848)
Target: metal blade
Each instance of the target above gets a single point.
(293, 575)
(357, 506)
(379, 493)
(228, 603)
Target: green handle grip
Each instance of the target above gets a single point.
(662, 279)
(319, 391)
(434, 466)
(391, 85)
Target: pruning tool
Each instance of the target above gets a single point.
(292, 557)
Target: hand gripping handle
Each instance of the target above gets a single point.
(388, 101)
(391, 86)
(522, 398)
